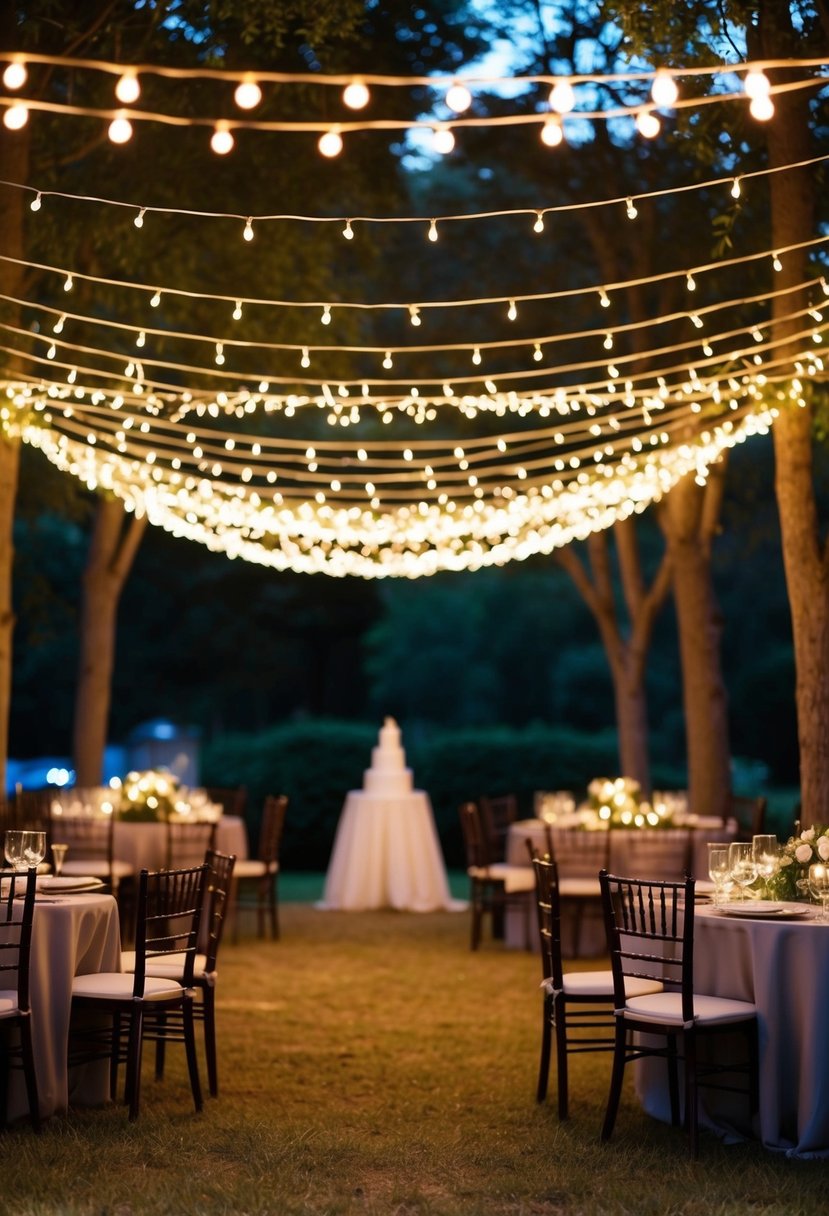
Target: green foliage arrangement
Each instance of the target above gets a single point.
(149, 797)
(796, 855)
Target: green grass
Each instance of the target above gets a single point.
(372, 1065)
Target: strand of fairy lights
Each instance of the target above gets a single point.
(604, 290)
(141, 210)
(613, 371)
(606, 333)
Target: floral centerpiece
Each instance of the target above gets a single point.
(796, 855)
(153, 796)
(618, 803)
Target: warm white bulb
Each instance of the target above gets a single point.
(248, 94)
(647, 124)
(756, 84)
(222, 141)
(128, 90)
(37, 202)
(761, 108)
(664, 89)
(330, 144)
(355, 95)
(433, 231)
(15, 75)
(735, 188)
(552, 133)
(120, 130)
(458, 98)
(15, 117)
(443, 140)
(248, 230)
(562, 97)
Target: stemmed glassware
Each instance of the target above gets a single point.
(766, 853)
(58, 854)
(819, 887)
(25, 849)
(13, 846)
(742, 864)
(719, 868)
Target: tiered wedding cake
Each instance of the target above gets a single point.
(388, 776)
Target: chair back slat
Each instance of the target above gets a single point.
(548, 904)
(188, 843)
(270, 833)
(474, 836)
(577, 852)
(16, 919)
(170, 906)
(219, 878)
(497, 814)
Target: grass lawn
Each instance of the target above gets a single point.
(372, 1065)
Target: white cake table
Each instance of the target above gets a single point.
(387, 855)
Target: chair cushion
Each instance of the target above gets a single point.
(514, 878)
(249, 867)
(667, 1007)
(600, 983)
(579, 888)
(169, 967)
(8, 1003)
(97, 868)
(117, 985)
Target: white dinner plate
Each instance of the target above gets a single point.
(764, 911)
(66, 884)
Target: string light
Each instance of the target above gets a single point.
(248, 94)
(387, 361)
(57, 328)
(37, 202)
(325, 319)
(512, 311)
(247, 233)
(776, 263)
(348, 231)
(647, 124)
(68, 283)
(735, 188)
(761, 108)
(537, 355)
(237, 311)
(538, 226)
(305, 361)
(15, 75)
(562, 97)
(552, 132)
(414, 314)
(330, 143)
(16, 117)
(120, 129)
(356, 95)
(433, 230)
(139, 219)
(756, 83)
(443, 141)
(220, 354)
(155, 299)
(664, 90)
(630, 209)
(476, 356)
(458, 98)
(222, 141)
(128, 89)
(604, 298)
(608, 342)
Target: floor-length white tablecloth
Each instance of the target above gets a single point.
(386, 855)
(783, 967)
(144, 845)
(73, 935)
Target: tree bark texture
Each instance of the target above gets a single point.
(690, 515)
(115, 539)
(804, 554)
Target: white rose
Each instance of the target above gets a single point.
(823, 848)
(803, 853)
(809, 834)
(785, 860)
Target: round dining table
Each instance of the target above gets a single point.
(143, 846)
(780, 962)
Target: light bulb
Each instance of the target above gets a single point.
(512, 311)
(16, 117)
(630, 209)
(59, 324)
(776, 263)
(220, 354)
(305, 361)
(237, 312)
(355, 95)
(647, 124)
(552, 132)
(664, 89)
(761, 108)
(325, 319)
(120, 130)
(443, 140)
(51, 352)
(222, 141)
(690, 282)
(735, 188)
(433, 230)
(248, 232)
(348, 231)
(696, 321)
(414, 314)
(458, 98)
(756, 83)
(156, 300)
(37, 202)
(139, 219)
(537, 355)
(141, 339)
(476, 356)
(128, 89)
(248, 94)
(15, 75)
(68, 283)
(387, 361)
(330, 144)
(608, 342)
(604, 298)
(538, 226)
(562, 97)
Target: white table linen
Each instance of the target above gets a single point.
(783, 967)
(386, 855)
(72, 935)
(144, 845)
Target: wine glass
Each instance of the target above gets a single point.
(58, 854)
(742, 864)
(13, 846)
(33, 850)
(819, 887)
(718, 868)
(766, 853)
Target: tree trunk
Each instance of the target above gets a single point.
(14, 167)
(804, 557)
(111, 555)
(689, 517)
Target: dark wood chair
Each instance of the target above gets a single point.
(497, 814)
(15, 1013)
(261, 873)
(494, 885)
(232, 799)
(170, 904)
(650, 934)
(163, 1027)
(579, 856)
(187, 843)
(89, 841)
